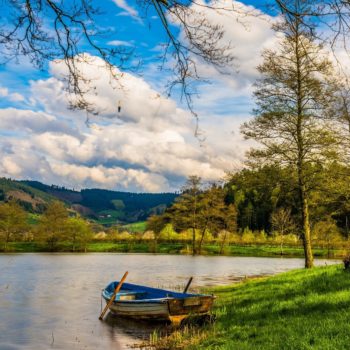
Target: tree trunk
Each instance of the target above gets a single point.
(301, 160)
(155, 244)
(193, 241)
(201, 241)
(7, 240)
(328, 249)
(281, 244)
(309, 259)
(223, 243)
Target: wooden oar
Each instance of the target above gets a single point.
(116, 290)
(188, 285)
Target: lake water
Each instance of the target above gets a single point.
(52, 301)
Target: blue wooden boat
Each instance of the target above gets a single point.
(153, 303)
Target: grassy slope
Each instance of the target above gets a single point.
(302, 309)
(139, 226)
(11, 185)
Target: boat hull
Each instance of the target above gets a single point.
(151, 303)
(174, 310)
(147, 310)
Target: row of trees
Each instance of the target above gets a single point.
(253, 207)
(302, 124)
(198, 210)
(259, 205)
(55, 226)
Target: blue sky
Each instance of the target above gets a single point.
(150, 145)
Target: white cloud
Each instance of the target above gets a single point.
(14, 97)
(102, 177)
(11, 167)
(120, 43)
(30, 121)
(4, 92)
(149, 145)
(129, 10)
(247, 31)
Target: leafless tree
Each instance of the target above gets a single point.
(46, 30)
(334, 15)
(282, 223)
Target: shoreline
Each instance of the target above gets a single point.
(298, 309)
(175, 249)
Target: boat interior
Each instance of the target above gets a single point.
(135, 292)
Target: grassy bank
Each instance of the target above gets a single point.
(301, 309)
(174, 248)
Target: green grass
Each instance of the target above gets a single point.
(270, 250)
(124, 247)
(23, 247)
(301, 309)
(136, 226)
(175, 248)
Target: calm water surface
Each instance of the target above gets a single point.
(52, 301)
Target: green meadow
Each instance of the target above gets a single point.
(301, 309)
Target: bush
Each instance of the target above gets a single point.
(248, 236)
(123, 236)
(168, 233)
(326, 232)
(149, 235)
(185, 235)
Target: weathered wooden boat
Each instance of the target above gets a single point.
(153, 303)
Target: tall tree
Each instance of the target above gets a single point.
(230, 224)
(292, 97)
(53, 224)
(185, 210)
(211, 212)
(13, 221)
(78, 232)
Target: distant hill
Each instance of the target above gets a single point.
(31, 199)
(104, 206)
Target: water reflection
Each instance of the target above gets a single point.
(53, 300)
(135, 330)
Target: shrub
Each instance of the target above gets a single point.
(248, 236)
(168, 233)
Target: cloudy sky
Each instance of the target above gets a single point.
(150, 145)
